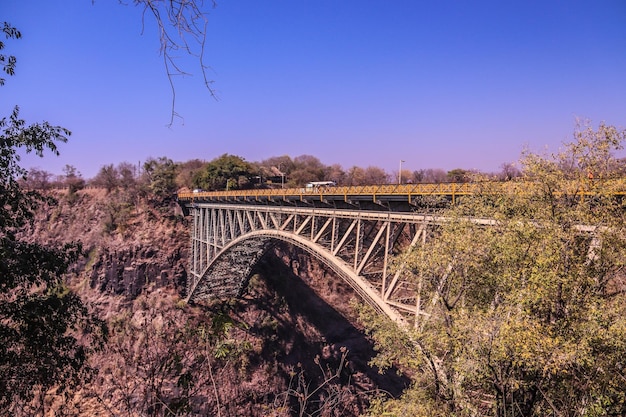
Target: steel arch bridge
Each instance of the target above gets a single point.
(355, 231)
(228, 239)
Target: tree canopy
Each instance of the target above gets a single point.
(160, 176)
(39, 316)
(8, 61)
(224, 172)
(526, 317)
(40, 319)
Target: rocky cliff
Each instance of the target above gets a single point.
(293, 343)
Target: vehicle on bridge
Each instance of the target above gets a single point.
(316, 186)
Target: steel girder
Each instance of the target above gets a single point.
(227, 240)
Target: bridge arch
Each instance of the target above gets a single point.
(357, 245)
(230, 233)
(256, 244)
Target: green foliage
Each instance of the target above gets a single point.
(107, 178)
(525, 317)
(39, 317)
(160, 176)
(118, 214)
(225, 172)
(126, 175)
(8, 61)
(458, 175)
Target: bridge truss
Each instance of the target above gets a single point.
(358, 245)
(355, 231)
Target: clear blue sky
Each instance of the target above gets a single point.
(438, 84)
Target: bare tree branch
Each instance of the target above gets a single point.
(182, 26)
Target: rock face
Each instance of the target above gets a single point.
(295, 313)
(132, 271)
(130, 245)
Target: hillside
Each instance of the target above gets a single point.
(290, 345)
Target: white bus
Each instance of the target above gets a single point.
(314, 186)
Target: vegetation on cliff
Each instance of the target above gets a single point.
(526, 317)
(46, 330)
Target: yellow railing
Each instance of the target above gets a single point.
(615, 187)
(362, 190)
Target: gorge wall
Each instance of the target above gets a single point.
(295, 319)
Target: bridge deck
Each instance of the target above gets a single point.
(405, 193)
(340, 226)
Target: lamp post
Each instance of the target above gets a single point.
(400, 172)
(282, 175)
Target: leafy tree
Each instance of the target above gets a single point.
(127, 175)
(160, 177)
(46, 330)
(117, 213)
(73, 180)
(8, 61)
(39, 316)
(525, 317)
(225, 172)
(458, 175)
(107, 178)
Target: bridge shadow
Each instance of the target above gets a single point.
(299, 323)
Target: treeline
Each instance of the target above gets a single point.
(163, 177)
